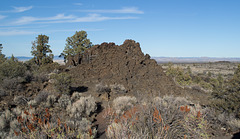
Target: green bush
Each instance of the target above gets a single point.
(39, 73)
(31, 65)
(2, 58)
(205, 85)
(226, 98)
(182, 78)
(12, 85)
(206, 81)
(12, 68)
(12, 74)
(47, 68)
(62, 82)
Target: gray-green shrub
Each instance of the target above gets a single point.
(123, 103)
(82, 107)
(62, 83)
(64, 101)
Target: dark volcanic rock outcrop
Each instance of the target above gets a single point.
(123, 65)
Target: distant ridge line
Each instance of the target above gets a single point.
(195, 59)
(25, 58)
(166, 59)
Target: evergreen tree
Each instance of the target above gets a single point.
(2, 56)
(40, 50)
(76, 44)
(1, 48)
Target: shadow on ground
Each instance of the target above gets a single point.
(236, 136)
(80, 89)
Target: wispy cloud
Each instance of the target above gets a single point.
(2, 17)
(18, 9)
(22, 27)
(61, 18)
(25, 20)
(71, 30)
(29, 19)
(98, 17)
(27, 32)
(22, 9)
(92, 18)
(78, 4)
(16, 33)
(125, 10)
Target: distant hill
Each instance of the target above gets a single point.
(194, 59)
(165, 59)
(24, 58)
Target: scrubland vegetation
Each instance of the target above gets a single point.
(38, 99)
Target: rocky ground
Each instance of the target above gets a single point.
(102, 74)
(123, 66)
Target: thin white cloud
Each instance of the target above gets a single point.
(25, 20)
(22, 27)
(61, 18)
(125, 10)
(98, 17)
(22, 9)
(27, 32)
(71, 30)
(78, 4)
(29, 19)
(16, 32)
(92, 18)
(2, 17)
(18, 9)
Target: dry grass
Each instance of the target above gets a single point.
(34, 125)
(166, 117)
(82, 107)
(123, 103)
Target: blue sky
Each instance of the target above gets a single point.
(173, 28)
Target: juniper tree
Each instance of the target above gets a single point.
(40, 50)
(2, 56)
(76, 44)
(1, 48)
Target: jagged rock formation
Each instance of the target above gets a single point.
(124, 65)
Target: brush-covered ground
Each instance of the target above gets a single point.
(224, 68)
(49, 101)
